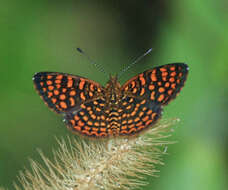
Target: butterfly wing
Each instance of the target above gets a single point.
(80, 100)
(149, 91)
(63, 92)
(137, 115)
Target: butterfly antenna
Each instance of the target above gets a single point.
(99, 67)
(134, 62)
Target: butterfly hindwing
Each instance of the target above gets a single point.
(89, 119)
(138, 114)
(63, 92)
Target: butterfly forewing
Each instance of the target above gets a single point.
(160, 84)
(63, 92)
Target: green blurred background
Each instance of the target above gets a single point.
(42, 35)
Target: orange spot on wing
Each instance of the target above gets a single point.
(139, 123)
(80, 123)
(131, 100)
(90, 94)
(91, 87)
(172, 68)
(152, 97)
(137, 119)
(130, 121)
(93, 116)
(49, 82)
(142, 91)
(70, 83)
(132, 130)
(50, 94)
(72, 122)
(103, 129)
(161, 97)
(132, 125)
(59, 77)
(57, 81)
(145, 118)
(50, 87)
(72, 102)
(162, 69)
(98, 109)
(90, 123)
(161, 89)
(54, 100)
(76, 118)
(95, 129)
(128, 107)
(56, 92)
(77, 128)
(173, 74)
(153, 115)
(72, 93)
(85, 118)
(171, 79)
(164, 78)
(170, 92)
(173, 86)
(81, 84)
(153, 77)
(63, 105)
(142, 79)
(102, 117)
(164, 74)
(141, 127)
(143, 102)
(124, 122)
(124, 127)
(82, 112)
(64, 90)
(151, 87)
(134, 90)
(133, 113)
(141, 114)
(167, 84)
(82, 96)
(62, 97)
(132, 84)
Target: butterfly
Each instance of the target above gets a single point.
(92, 110)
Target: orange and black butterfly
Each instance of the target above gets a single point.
(114, 110)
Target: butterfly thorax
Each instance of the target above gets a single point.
(113, 92)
